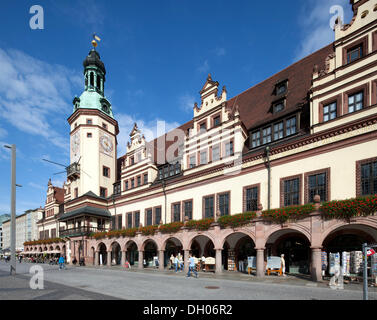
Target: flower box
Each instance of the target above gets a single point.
(200, 224)
(171, 227)
(236, 220)
(282, 215)
(346, 209)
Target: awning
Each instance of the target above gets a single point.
(87, 210)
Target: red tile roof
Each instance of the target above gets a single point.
(255, 103)
(59, 194)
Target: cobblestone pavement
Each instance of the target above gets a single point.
(104, 283)
(18, 288)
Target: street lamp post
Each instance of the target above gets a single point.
(13, 211)
(164, 191)
(269, 178)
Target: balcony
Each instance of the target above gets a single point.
(73, 171)
(80, 231)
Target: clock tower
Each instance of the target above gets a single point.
(93, 131)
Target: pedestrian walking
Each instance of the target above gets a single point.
(61, 263)
(180, 258)
(172, 261)
(192, 267)
(176, 263)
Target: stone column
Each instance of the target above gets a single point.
(260, 262)
(316, 264)
(96, 257)
(186, 260)
(161, 260)
(109, 258)
(123, 259)
(219, 268)
(141, 257)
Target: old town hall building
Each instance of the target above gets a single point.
(303, 137)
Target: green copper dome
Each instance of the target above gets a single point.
(93, 96)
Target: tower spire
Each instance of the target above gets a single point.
(93, 96)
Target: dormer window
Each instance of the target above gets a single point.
(277, 107)
(168, 170)
(355, 53)
(281, 88)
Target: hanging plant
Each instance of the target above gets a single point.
(129, 232)
(171, 227)
(345, 209)
(149, 230)
(288, 213)
(114, 234)
(99, 235)
(200, 224)
(236, 220)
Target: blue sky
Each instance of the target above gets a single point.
(157, 55)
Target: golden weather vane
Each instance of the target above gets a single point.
(94, 42)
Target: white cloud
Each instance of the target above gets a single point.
(204, 67)
(33, 93)
(186, 102)
(314, 23)
(151, 129)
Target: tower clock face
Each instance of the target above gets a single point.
(75, 146)
(106, 144)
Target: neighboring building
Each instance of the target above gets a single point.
(308, 130)
(26, 229)
(48, 226)
(3, 218)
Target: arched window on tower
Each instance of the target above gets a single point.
(99, 83)
(86, 80)
(92, 79)
(105, 108)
